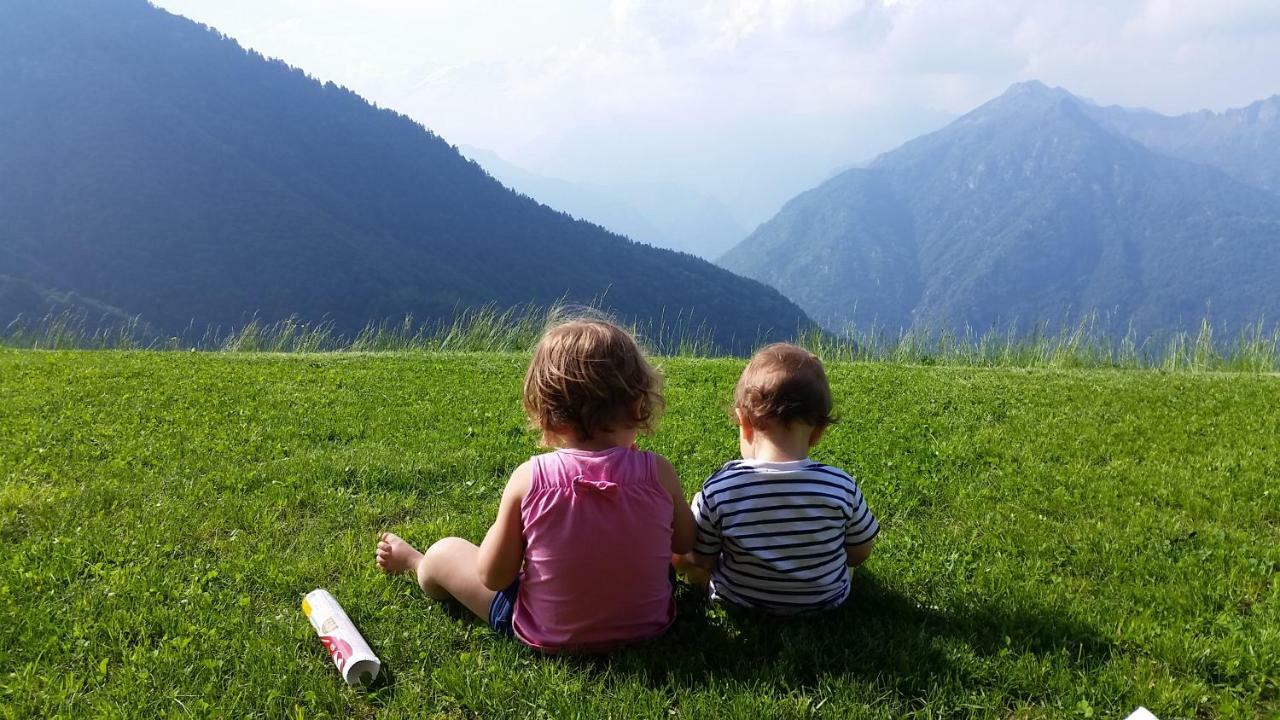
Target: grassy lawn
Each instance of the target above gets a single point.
(1055, 544)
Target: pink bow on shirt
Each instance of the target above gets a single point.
(600, 486)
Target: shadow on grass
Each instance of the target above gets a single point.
(879, 635)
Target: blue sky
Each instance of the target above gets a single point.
(752, 100)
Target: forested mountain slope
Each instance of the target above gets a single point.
(155, 165)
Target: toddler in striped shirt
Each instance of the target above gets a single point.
(776, 530)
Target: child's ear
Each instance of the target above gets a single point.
(746, 433)
(744, 424)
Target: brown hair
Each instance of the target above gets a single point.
(589, 375)
(787, 384)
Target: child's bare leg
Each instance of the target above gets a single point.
(446, 570)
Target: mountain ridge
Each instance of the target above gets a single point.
(1244, 142)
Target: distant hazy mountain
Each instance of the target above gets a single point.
(580, 201)
(1244, 142)
(1026, 209)
(691, 221)
(27, 303)
(157, 166)
(662, 215)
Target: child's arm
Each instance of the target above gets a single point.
(855, 555)
(502, 551)
(682, 527)
(860, 531)
(701, 559)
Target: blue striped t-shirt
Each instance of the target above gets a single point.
(779, 532)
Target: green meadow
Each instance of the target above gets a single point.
(1056, 543)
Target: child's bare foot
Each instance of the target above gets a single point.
(396, 556)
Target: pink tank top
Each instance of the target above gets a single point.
(597, 533)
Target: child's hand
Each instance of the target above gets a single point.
(694, 573)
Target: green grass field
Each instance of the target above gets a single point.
(1057, 543)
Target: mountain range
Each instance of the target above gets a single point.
(152, 166)
(1040, 206)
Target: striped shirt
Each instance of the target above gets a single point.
(779, 531)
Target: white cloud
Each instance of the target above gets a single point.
(1179, 20)
(748, 99)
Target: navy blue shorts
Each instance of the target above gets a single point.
(502, 607)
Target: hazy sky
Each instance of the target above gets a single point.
(749, 100)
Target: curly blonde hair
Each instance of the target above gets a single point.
(589, 376)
